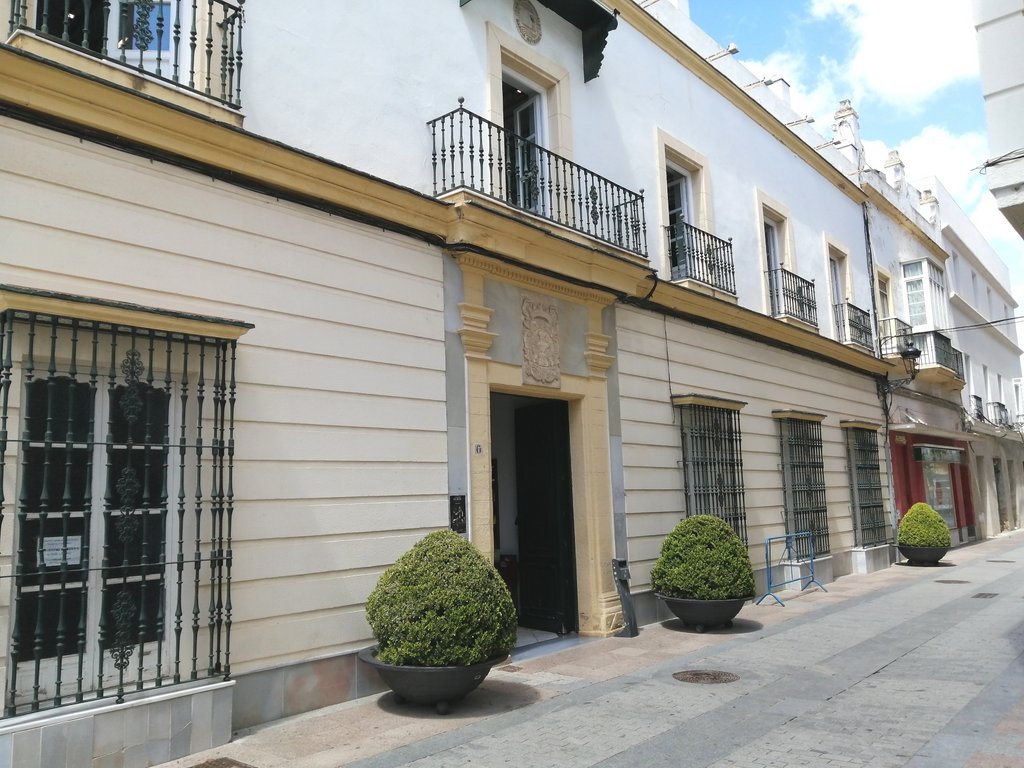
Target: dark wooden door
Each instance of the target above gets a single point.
(547, 571)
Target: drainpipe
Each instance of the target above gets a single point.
(885, 398)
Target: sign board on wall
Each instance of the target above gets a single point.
(938, 454)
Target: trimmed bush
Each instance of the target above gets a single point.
(703, 559)
(441, 604)
(922, 526)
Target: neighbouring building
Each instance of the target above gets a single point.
(999, 26)
(272, 310)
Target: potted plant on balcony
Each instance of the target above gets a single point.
(703, 573)
(442, 617)
(923, 536)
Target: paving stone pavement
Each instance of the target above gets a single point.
(896, 668)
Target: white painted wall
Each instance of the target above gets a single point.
(363, 97)
(340, 421)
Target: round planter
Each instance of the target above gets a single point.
(704, 614)
(923, 555)
(430, 685)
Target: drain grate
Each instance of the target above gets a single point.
(705, 676)
(951, 581)
(223, 762)
(985, 595)
(510, 668)
(1002, 561)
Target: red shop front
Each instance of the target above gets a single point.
(935, 470)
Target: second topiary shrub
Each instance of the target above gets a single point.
(441, 604)
(703, 559)
(922, 526)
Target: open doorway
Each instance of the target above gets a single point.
(533, 522)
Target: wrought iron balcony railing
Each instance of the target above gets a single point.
(471, 152)
(999, 414)
(792, 296)
(699, 255)
(977, 408)
(895, 334)
(853, 324)
(196, 44)
(936, 349)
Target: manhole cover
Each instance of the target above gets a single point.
(951, 581)
(510, 668)
(1002, 561)
(705, 676)
(223, 762)
(985, 595)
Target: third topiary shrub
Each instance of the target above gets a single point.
(922, 526)
(703, 559)
(441, 604)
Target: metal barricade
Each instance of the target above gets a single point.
(788, 556)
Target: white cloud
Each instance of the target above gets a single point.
(934, 151)
(904, 52)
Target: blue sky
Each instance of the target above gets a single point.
(910, 68)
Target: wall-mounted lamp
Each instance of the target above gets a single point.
(729, 50)
(805, 119)
(910, 353)
(764, 81)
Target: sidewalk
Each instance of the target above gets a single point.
(909, 666)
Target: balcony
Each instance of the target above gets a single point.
(193, 46)
(999, 414)
(792, 296)
(940, 361)
(470, 152)
(895, 335)
(853, 325)
(699, 255)
(977, 408)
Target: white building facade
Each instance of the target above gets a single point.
(274, 311)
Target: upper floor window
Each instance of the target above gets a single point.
(924, 284)
(144, 26)
(884, 297)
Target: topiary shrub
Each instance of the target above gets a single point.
(922, 526)
(703, 559)
(441, 604)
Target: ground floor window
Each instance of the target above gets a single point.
(119, 441)
(866, 487)
(803, 480)
(713, 460)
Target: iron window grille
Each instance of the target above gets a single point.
(713, 464)
(120, 545)
(866, 487)
(803, 473)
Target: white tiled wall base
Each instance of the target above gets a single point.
(871, 559)
(139, 733)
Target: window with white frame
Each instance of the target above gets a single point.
(120, 525)
(924, 285)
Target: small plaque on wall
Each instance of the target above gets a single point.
(457, 513)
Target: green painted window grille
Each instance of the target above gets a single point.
(120, 443)
(713, 464)
(866, 487)
(803, 473)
